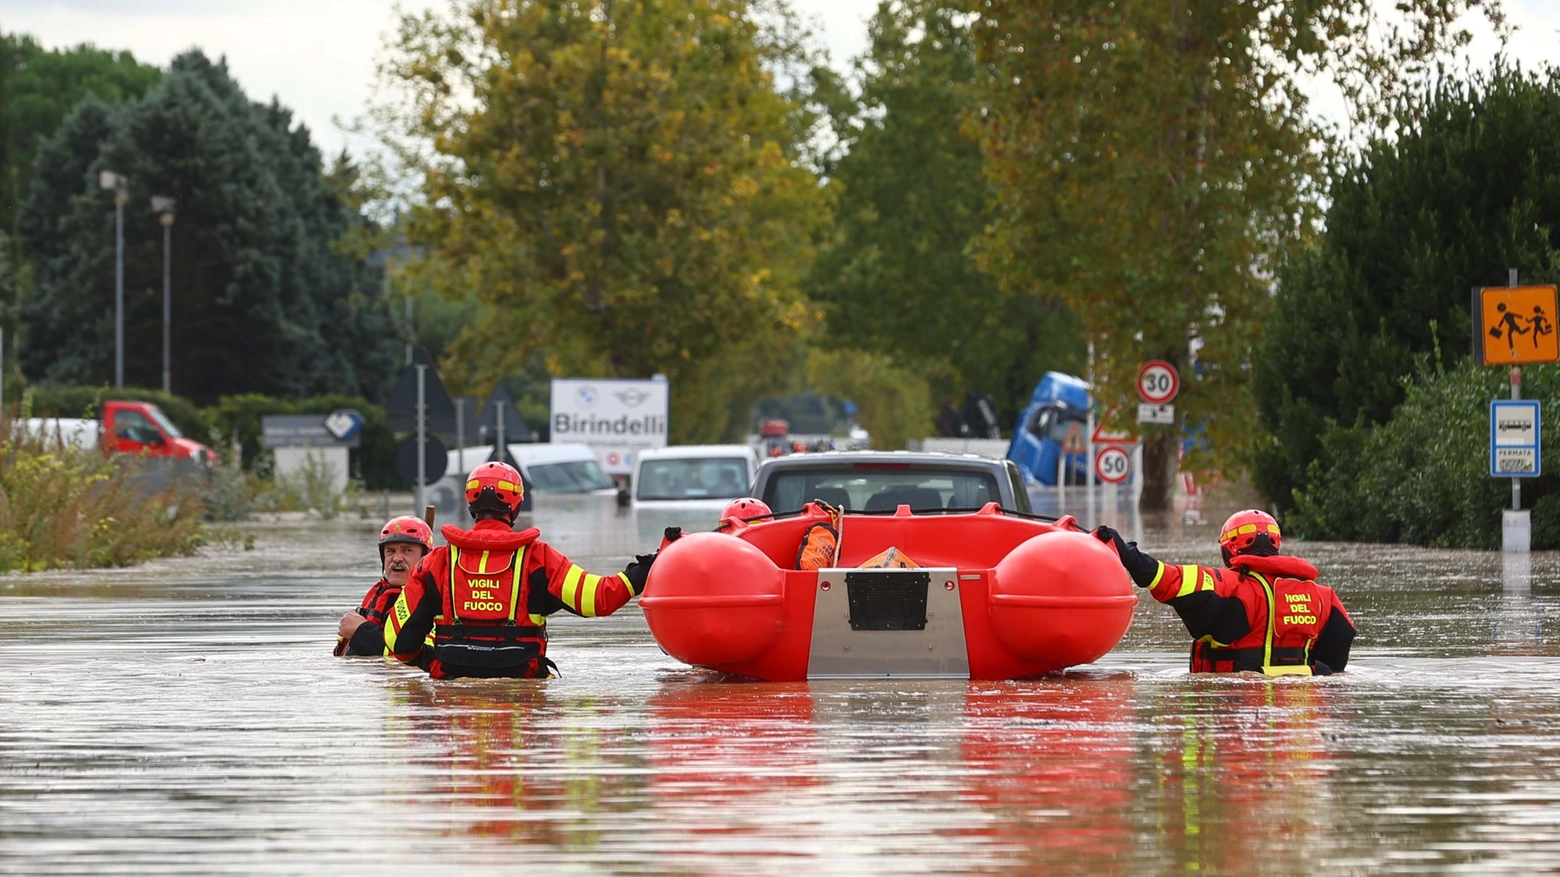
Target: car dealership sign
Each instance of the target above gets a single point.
(616, 418)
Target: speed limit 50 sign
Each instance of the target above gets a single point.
(1157, 382)
(1112, 464)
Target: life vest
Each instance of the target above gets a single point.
(817, 548)
(485, 628)
(1286, 610)
(376, 608)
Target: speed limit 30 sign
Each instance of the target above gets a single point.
(1112, 464)
(1158, 382)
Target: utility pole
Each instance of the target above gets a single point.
(164, 208)
(422, 436)
(118, 184)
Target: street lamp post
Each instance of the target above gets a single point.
(119, 184)
(163, 206)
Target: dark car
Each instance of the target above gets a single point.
(881, 481)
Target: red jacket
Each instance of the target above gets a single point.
(487, 613)
(1265, 613)
(369, 638)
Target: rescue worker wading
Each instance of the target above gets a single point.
(402, 543)
(1265, 613)
(486, 596)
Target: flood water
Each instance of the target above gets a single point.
(188, 717)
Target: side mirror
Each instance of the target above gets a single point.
(158, 440)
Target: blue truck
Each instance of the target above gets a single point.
(1059, 402)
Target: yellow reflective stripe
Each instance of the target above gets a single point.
(588, 595)
(628, 584)
(514, 589)
(538, 620)
(1158, 574)
(1188, 580)
(571, 587)
(398, 615)
(482, 563)
(454, 564)
(472, 484)
(1207, 581)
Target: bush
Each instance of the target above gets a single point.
(1423, 477)
(63, 506)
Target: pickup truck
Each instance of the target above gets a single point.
(127, 427)
(881, 481)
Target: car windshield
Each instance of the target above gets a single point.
(167, 425)
(692, 478)
(573, 476)
(875, 489)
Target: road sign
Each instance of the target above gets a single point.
(1515, 325)
(439, 408)
(1103, 436)
(310, 431)
(1073, 444)
(1149, 413)
(1112, 464)
(1515, 429)
(1158, 382)
(436, 460)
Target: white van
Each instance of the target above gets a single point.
(546, 469)
(693, 476)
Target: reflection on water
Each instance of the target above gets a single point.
(187, 717)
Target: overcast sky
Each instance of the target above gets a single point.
(318, 56)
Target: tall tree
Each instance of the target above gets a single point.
(264, 300)
(1153, 163)
(621, 185)
(897, 278)
(39, 88)
(1468, 187)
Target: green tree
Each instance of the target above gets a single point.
(266, 298)
(1468, 187)
(1152, 163)
(896, 277)
(622, 186)
(39, 88)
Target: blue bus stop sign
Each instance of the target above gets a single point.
(1515, 430)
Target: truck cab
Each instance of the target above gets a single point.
(131, 427)
(1059, 403)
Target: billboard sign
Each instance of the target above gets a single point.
(616, 418)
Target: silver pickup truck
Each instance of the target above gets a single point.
(881, 481)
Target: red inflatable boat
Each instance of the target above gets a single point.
(995, 596)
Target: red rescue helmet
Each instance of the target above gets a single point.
(406, 528)
(494, 489)
(1246, 530)
(744, 508)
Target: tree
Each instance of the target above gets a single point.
(1468, 187)
(39, 88)
(265, 299)
(1153, 162)
(621, 185)
(896, 278)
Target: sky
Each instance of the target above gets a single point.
(318, 56)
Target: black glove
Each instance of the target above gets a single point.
(1142, 568)
(673, 534)
(638, 572)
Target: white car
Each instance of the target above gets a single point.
(693, 476)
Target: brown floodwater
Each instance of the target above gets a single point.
(187, 717)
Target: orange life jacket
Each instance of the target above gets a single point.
(1285, 609)
(485, 628)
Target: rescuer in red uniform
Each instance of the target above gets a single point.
(1264, 613)
(486, 596)
(402, 543)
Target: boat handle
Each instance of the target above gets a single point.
(1046, 601)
